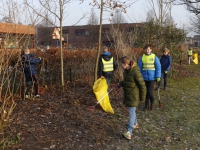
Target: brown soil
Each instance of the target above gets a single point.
(63, 121)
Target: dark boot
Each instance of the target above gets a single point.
(151, 106)
(146, 106)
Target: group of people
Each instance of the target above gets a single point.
(138, 82)
(139, 79)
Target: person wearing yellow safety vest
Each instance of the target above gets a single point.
(107, 65)
(190, 53)
(150, 68)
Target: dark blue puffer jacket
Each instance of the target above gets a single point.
(29, 64)
(166, 62)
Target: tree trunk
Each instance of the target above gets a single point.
(61, 50)
(99, 43)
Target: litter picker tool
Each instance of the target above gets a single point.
(160, 105)
(91, 108)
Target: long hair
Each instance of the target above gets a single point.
(126, 60)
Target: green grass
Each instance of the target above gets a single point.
(176, 125)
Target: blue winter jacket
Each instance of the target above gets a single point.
(150, 75)
(165, 62)
(29, 64)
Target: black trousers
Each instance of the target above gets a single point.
(149, 95)
(32, 80)
(165, 77)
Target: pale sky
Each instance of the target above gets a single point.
(137, 13)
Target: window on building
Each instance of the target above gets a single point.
(131, 29)
(65, 31)
(87, 32)
(80, 32)
(106, 31)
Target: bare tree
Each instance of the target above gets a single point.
(192, 6)
(57, 10)
(111, 6)
(169, 20)
(164, 8)
(13, 11)
(194, 25)
(93, 23)
(7, 20)
(118, 17)
(45, 28)
(93, 20)
(11, 78)
(151, 16)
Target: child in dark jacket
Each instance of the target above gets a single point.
(166, 62)
(134, 92)
(107, 65)
(29, 68)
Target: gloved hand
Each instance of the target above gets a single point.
(102, 77)
(157, 79)
(165, 71)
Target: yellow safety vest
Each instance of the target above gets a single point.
(108, 65)
(148, 62)
(189, 52)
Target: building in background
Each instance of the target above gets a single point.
(85, 36)
(193, 41)
(16, 35)
(196, 39)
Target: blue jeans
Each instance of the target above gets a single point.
(132, 119)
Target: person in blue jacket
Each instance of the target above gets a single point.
(30, 71)
(166, 62)
(150, 68)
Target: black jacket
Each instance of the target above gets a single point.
(106, 56)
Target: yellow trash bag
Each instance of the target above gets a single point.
(195, 58)
(100, 88)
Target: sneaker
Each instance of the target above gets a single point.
(26, 96)
(127, 135)
(136, 126)
(37, 96)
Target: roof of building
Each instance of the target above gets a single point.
(196, 37)
(16, 28)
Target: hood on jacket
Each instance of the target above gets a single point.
(106, 56)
